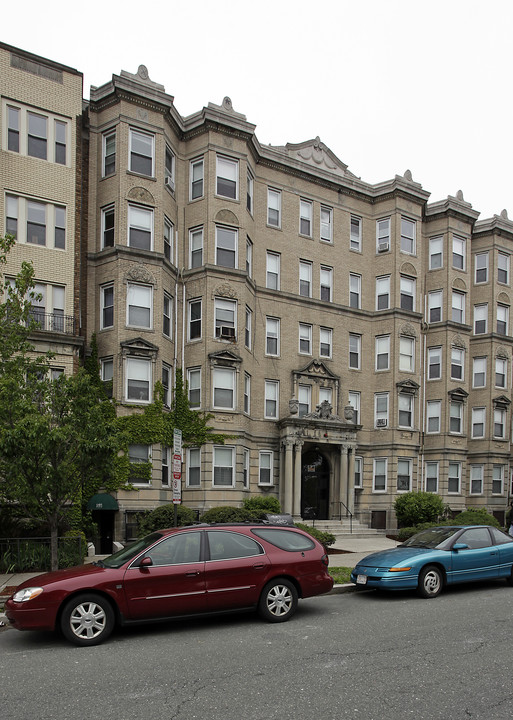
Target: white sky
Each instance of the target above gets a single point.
(387, 85)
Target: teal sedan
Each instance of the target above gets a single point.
(437, 557)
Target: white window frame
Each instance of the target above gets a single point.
(223, 453)
(456, 405)
(196, 247)
(459, 250)
(271, 395)
(498, 476)
(354, 401)
(274, 205)
(305, 217)
(272, 333)
(503, 263)
(134, 371)
(481, 268)
(406, 354)
(138, 291)
(193, 463)
(478, 422)
(223, 308)
(458, 307)
(265, 464)
(194, 387)
(305, 278)
(198, 321)
(106, 136)
(436, 252)
(248, 329)
(222, 234)
(245, 468)
(479, 367)
(355, 233)
(499, 423)
(326, 221)
(133, 210)
(304, 396)
(358, 471)
(406, 405)
(247, 394)
(305, 339)
(432, 476)
(230, 167)
(382, 464)
(434, 353)
(501, 370)
(250, 187)
(196, 178)
(382, 347)
(408, 474)
(104, 307)
(458, 362)
(272, 270)
(146, 459)
(223, 379)
(435, 302)
(383, 234)
(325, 342)
(408, 236)
(167, 315)
(383, 292)
(476, 479)
(408, 287)
(169, 233)
(23, 132)
(355, 291)
(381, 409)
(131, 153)
(326, 283)
(433, 417)
(454, 474)
(166, 384)
(502, 319)
(108, 210)
(355, 350)
(481, 316)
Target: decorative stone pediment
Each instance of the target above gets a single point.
(140, 273)
(408, 386)
(315, 153)
(225, 290)
(408, 269)
(458, 394)
(503, 298)
(227, 217)
(502, 402)
(459, 284)
(502, 353)
(139, 347)
(458, 342)
(316, 368)
(141, 195)
(407, 329)
(225, 358)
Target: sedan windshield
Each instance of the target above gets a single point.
(435, 537)
(128, 553)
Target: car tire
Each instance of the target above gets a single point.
(430, 582)
(278, 601)
(87, 619)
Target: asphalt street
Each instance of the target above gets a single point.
(357, 655)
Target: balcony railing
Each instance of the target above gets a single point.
(54, 322)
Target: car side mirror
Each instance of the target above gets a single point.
(146, 562)
(460, 546)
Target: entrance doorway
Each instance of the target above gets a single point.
(315, 486)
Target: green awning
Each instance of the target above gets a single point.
(102, 501)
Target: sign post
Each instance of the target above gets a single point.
(177, 472)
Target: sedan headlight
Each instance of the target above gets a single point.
(27, 594)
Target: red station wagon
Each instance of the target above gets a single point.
(185, 571)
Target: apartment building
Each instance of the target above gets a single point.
(351, 339)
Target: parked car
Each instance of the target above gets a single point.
(185, 571)
(437, 557)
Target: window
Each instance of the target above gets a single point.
(194, 319)
(107, 374)
(403, 475)
(502, 319)
(479, 372)
(434, 363)
(305, 279)
(379, 483)
(226, 247)
(305, 339)
(249, 257)
(358, 472)
(140, 228)
(13, 129)
(37, 135)
(166, 384)
(60, 228)
(325, 342)
(406, 354)
(498, 480)
(265, 467)
(196, 247)
(355, 343)
(108, 217)
(383, 352)
(436, 249)
(499, 423)
(305, 217)
(193, 467)
(224, 388)
(196, 179)
(194, 387)
(273, 207)
(245, 468)
(354, 402)
(383, 292)
(457, 363)
(326, 282)
(167, 315)
(223, 467)
(272, 391)
(225, 312)
(478, 422)
(405, 410)
(455, 417)
(326, 224)
(34, 222)
(273, 271)
(407, 293)
(109, 153)
(227, 176)
(137, 455)
(139, 303)
(476, 479)
(380, 410)
(480, 319)
(501, 367)
(481, 267)
(142, 153)
(168, 239)
(326, 394)
(408, 236)
(249, 192)
(434, 409)
(454, 478)
(106, 306)
(11, 216)
(248, 329)
(458, 252)
(169, 169)
(247, 393)
(432, 477)
(138, 380)
(355, 290)
(356, 233)
(503, 268)
(60, 142)
(458, 307)
(304, 396)
(435, 306)
(383, 235)
(272, 336)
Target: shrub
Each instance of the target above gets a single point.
(164, 517)
(415, 508)
(326, 538)
(227, 514)
(476, 516)
(260, 505)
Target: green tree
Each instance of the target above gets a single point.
(414, 508)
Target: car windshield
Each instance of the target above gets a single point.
(434, 537)
(128, 553)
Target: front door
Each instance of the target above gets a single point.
(315, 482)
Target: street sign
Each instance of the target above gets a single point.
(177, 442)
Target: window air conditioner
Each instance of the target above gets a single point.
(384, 246)
(227, 332)
(169, 182)
(381, 422)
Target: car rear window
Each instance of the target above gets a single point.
(285, 539)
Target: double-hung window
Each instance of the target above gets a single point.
(355, 349)
(305, 339)
(481, 268)
(458, 307)
(193, 467)
(265, 467)
(140, 227)
(248, 328)
(383, 292)
(142, 153)
(109, 153)
(325, 342)
(196, 174)
(225, 318)
(169, 169)
(272, 280)
(503, 268)
(168, 239)
(406, 353)
(435, 306)
(380, 410)
(408, 236)
(434, 409)
(502, 319)
(454, 478)
(13, 129)
(404, 467)
(498, 479)
(226, 247)
(304, 396)
(196, 247)
(499, 423)
(250, 183)
(59, 240)
(305, 217)
(478, 422)
(355, 241)
(355, 290)
(273, 207)
(227, 176)
(106, 306)
(138, 380)
(247, 393)
(458, 252)
(379, 483)
(60, 129)
(476, 479)
(405, 410)
(383, 235)
(434, 363)
(456, 417)
(479, 372)
(36, 222)
(249, 257)
(305, 279)
(354, 402)
(436, 257)
(432, 477)
(326, 224)
(383, 352)
(194, 387)
(194, 319)
(108, 226)
(166, 384)
(457, 363)
(272, 395)
(223, 467)
(480, 319)
(224, 388)
(272, 336)
(139, 305)
(167, 315)
(326, 282)
(139, 455)
(407, 293)
(501, 367)
(37, 137)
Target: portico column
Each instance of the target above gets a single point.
(350, 482)
(343, 479)
(287, 495)
(296, 507)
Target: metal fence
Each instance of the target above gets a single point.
(33, 554)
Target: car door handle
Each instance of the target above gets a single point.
(192, 574)
(259, 566)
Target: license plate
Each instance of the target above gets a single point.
(361, 579)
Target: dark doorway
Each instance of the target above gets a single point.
(105, 521)
(315, 484)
